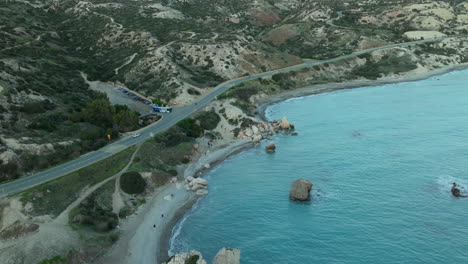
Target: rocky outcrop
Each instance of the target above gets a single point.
(227, 256)
(257, 132)
(198, 185)
(300, 190)
(270, 147)
(283, 125)
(192, 257)
(224, 256)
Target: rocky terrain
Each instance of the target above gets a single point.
(224, 256)
(174, 51)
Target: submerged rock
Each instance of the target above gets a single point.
(270, 147)
(227, 256)
(300, 190)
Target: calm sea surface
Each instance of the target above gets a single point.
(382, 160)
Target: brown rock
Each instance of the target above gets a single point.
(300, 190)
(270, 147)
(227, 256)
(284, 124)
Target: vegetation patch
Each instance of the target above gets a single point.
(132, 183)
(55, 196)
(388, 64)
(95, 211)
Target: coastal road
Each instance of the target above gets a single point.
(168, 120)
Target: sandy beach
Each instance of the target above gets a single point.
(146, 234)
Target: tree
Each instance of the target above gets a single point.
(99, 112)
(125, 120)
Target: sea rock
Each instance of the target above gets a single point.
(284, 124)
(193, 256)
(201, 192)
(270, 147)
(207, 166)
(200, 181)
(189, 179)
(300, 190)
(227, 256)
(257, 138)
(196, 187)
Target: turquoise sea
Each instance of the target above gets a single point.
(382, 160)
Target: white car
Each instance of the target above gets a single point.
(136, 135)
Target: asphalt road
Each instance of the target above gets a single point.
(169, 119)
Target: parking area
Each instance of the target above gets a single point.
(117, 95)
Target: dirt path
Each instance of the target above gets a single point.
(62, 219)
(130, 59)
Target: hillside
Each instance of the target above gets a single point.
(176, 51)
(60, 63)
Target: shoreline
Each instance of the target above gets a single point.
(226, 150)
(220, 154)
(263, 104)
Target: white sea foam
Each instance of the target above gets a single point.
(176, 243)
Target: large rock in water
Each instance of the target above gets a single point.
(300, 190)
(284, 124)
(270, 147)
(227, 256)
(192, 257)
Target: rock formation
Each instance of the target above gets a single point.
(227, 256)
(196, 184)
(300, 190)
(270, 147)
(201, 192)
(282, 126)
(224, 256)
(192, 257)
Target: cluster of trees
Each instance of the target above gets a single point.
(189, 128)
(388, 64)
(101, 113)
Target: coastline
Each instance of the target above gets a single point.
(331, 87)
(220, 153)
(160, 242)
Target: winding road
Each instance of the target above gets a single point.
(166, 122)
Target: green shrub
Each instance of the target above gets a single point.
(125, 211)
(172, 137)
(132, 183)
(190, 127)
(208, 120)
(192, 91)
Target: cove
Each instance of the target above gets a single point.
(382, 160)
